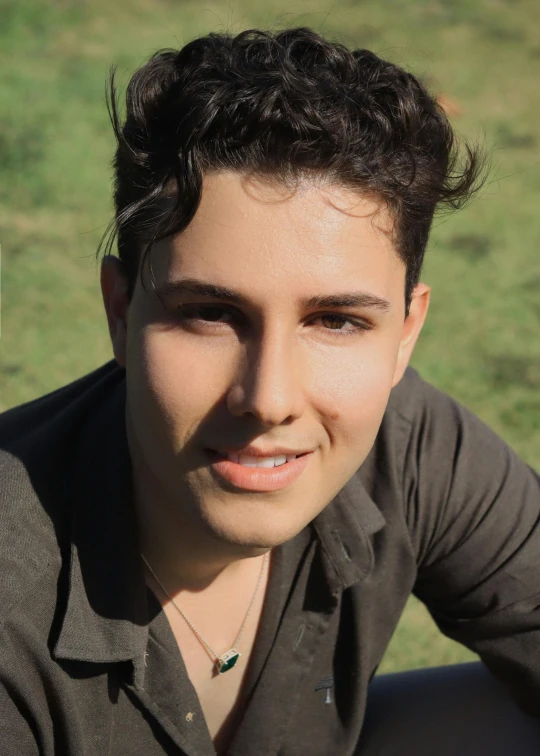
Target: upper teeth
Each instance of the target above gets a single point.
(248, 461)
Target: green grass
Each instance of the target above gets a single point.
(481, 341)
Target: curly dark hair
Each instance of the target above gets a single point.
(280, 105)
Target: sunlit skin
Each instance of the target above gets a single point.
(269, 369)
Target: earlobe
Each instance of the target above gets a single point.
(411, 328)
(114, 289)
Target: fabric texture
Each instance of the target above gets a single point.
(89, 665)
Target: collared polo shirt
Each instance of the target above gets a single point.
(88, 663)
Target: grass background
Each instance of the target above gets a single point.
(481, 341)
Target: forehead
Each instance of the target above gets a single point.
(310, 204)
(263, 233)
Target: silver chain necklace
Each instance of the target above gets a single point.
(226, 661)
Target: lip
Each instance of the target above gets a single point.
(254, 451)
(258, 479)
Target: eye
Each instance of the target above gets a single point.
(340, 324)
(207, 314)
(211, 313)
(334, 322)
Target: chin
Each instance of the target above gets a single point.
(252, 530)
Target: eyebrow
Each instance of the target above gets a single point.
(199, 288)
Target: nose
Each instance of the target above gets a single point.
(270, 385)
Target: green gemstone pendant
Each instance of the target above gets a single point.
(226, 661)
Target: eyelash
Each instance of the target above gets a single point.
(188, 314)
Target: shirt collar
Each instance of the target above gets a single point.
(344, 529)
(106, 616)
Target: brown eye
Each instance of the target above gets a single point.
(342, 325)
(213, 314)
(205, 313)
(333, 322)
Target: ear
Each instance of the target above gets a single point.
(411, 328)
(114, 289)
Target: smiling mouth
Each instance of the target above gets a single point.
(247, 460)
(251, 473)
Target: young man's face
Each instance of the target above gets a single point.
(299, 356)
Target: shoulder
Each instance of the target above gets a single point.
(429, 446)
(38, 441)
(449, 471)
(55, 411)
(422, 423)
(416, 411)
(437, 427)
(416, 400)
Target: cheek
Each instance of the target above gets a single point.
(352, 393)
(173, 386)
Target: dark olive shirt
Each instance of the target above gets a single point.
(88, 663)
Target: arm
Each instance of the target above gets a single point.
(473, 509)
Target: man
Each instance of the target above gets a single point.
(208, 542)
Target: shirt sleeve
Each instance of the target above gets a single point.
(18, 735)
(473, 509)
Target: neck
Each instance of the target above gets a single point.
(184, 563)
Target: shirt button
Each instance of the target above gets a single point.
(189, 716)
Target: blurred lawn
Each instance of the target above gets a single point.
(481, 340)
